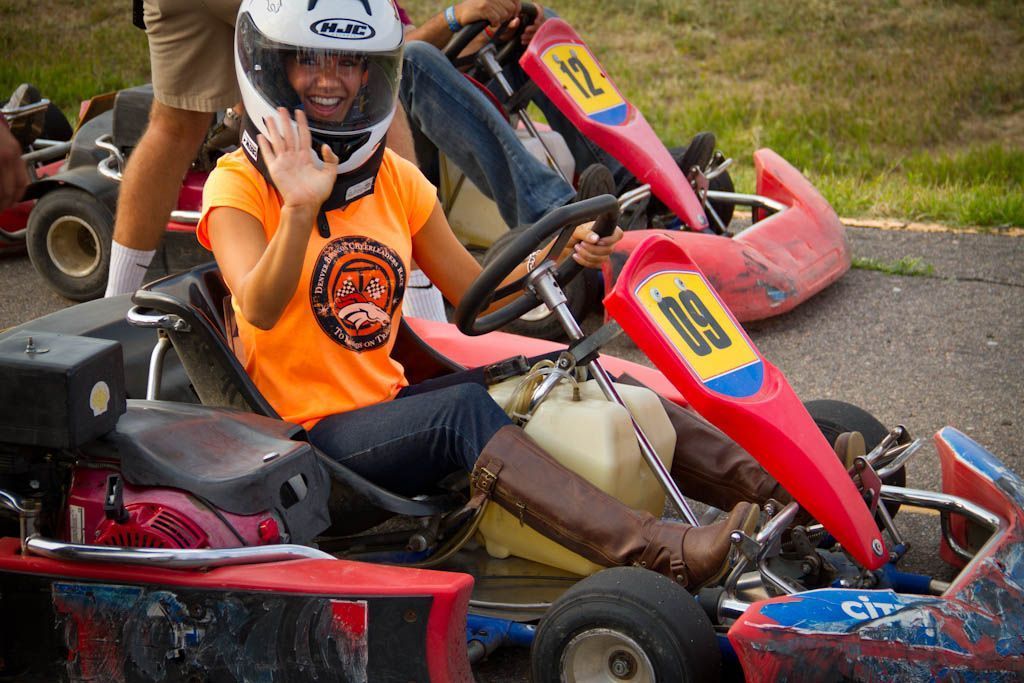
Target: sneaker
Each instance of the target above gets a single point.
(595, 181)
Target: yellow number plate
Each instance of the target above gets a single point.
(580, 76)
(691, 317)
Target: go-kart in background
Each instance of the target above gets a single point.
(912, 109)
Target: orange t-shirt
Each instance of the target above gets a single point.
(330, 351)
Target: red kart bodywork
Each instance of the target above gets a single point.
(765, 270)
(335, 619)
(775, 264)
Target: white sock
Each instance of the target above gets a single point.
(422, 299)
(127, 269)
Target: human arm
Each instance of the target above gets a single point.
(13, 176)
(437, 32)
(453, 269)
(261, 274)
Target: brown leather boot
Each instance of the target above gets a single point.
(709, 466)
(519, 475)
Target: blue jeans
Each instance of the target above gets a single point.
(449, 114)
(409, 444)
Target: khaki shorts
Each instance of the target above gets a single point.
(191, 52)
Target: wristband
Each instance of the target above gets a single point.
(449, 16)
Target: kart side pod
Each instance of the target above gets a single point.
(668, 307)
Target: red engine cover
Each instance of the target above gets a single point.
(157, 518)
(152, 526)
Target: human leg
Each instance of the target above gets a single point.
(519, 475)
(192, 65)
(408, 444)
(709, 466)
(149, 191)
(446, 109)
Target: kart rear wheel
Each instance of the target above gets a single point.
(540, 322)
(625, 624)
(68, 237)
(835, 417)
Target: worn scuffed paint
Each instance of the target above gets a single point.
(975, 632)
(116, 633)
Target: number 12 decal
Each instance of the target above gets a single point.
(688, 314)
(574, 66)
(583, 80)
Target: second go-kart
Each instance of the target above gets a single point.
(795, 247)
(152, 535)
(69, 214)
(43, 133)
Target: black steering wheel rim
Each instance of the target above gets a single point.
(603, 209)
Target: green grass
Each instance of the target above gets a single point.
(907, 266)
(910, 109)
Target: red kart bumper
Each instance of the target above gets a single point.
(777, 263)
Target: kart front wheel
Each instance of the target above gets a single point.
(835, 417)
(68, 236)
(625, 624)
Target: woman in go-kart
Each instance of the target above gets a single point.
(316, 251)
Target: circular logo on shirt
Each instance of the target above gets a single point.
(356, 286)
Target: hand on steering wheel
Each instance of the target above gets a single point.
(603, 209)
(507, 44)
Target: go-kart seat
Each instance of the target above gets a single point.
(200, 298)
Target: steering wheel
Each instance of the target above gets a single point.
(603, 209)
(506, 48)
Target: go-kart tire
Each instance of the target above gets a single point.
(68, 237)
(540, 322)
(835, 417)
(621, 624)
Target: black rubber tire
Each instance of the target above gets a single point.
(546, 327)
(835, 417)
(68, 237)
(632, 611)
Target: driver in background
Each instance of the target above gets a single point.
(314, 224)
(13, 176)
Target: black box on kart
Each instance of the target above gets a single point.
(131, 115)
(59, 391)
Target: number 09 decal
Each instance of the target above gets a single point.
(585, 82)
(687, 313)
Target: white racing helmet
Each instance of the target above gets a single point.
(338, 60)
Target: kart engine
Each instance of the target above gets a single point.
(102, 509)
(149, 474)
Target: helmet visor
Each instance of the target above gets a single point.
(341, 91)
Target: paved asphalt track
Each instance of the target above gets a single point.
(921, 351)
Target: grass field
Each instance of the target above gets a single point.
(912, 109)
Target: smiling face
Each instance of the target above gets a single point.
(327, 85)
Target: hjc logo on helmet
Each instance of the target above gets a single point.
(343, 29)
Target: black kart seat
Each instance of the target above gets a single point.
(200, 298)
(239, 462)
